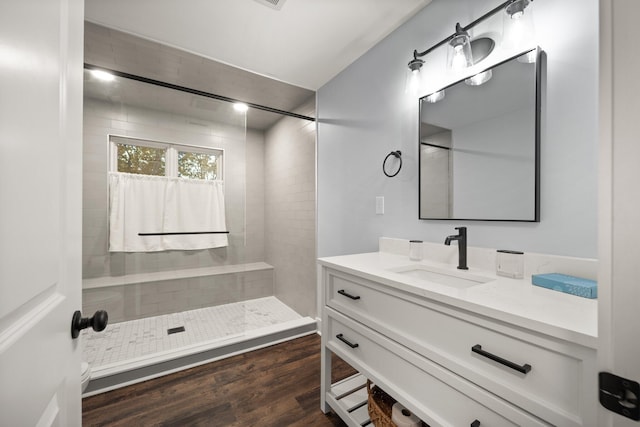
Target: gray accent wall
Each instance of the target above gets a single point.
(290, 205)
(279, 208)
(141, 300)
(244, 174)
(363, 114)
(102, 119)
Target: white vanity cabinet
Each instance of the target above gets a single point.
(450, 364)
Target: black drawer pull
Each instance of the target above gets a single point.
(476, 423)
(524, 368)
(344, 340)
(342, 292)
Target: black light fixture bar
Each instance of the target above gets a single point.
(493, 11)
(197, 92)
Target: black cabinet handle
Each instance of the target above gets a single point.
(475, 423)
(342, 292)
(523, 369)
(344, 340)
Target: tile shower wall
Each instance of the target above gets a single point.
(290, 205)
(142, 300)
(102, 119)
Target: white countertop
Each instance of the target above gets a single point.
(515, 301)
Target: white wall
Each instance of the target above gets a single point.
(363, 114)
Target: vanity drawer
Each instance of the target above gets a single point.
(546, 376)
(432, 392)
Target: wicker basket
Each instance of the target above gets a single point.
(379, 404)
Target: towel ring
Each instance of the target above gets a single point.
(398, 155)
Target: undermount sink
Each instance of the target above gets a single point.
(455, 279)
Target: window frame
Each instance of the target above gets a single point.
(171, 157)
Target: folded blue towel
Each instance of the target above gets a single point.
(568, 284)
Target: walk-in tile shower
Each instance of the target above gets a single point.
(175, 225)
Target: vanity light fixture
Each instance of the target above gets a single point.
(464, 52)
(517, 23)
(459, 55)
(413, 82)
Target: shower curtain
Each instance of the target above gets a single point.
(171, 213)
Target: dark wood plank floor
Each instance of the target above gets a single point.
(274, 386)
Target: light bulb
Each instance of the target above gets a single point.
(414, 82)
(103, 75)
(459, 61)
(517, 31)
(240, 107)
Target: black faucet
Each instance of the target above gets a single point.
(461, 237)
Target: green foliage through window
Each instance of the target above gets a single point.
(163, 159)
(197, 165)
(141, 160)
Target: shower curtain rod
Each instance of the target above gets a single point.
(196, 92)
(180, 233)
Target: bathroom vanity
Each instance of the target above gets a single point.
(458, 348)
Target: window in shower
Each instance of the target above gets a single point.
(199, 165)
(141, 159)
(145, 157)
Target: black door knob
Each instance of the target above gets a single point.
(98, 322)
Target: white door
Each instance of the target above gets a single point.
(41, 54)
(619, 194)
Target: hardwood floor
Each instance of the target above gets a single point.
(274, 386)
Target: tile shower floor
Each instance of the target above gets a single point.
(141, 338)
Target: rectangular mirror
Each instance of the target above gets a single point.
(479, 145)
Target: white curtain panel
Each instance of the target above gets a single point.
(154, 204)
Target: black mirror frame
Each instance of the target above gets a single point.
(539, 81)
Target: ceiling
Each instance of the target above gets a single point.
(304, 43)
(123, 93)
(116, 50)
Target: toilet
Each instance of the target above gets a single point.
(85, 375)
